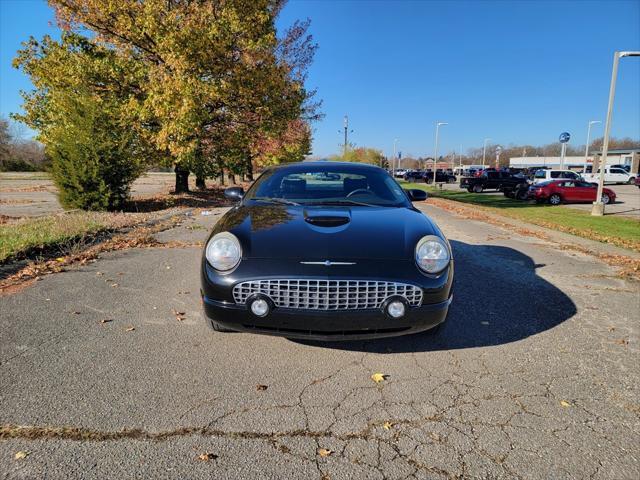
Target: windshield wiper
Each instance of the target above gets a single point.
(283, 201)
(343, 202)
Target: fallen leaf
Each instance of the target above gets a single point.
(75, 312)
(378, 377)
(130, 329)
(611, 329)
(205, 457)
(60, 259)
(324, 452)
(622, 341)
(179, 315)
(99, 274)
(387, 425)
(564, 403)
(114, 285)
(21, 454)
(106, 320)
(261, 388)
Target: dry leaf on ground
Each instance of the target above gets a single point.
(379, 377)
(205, 457)
(106, 320)
(261, 387)
(179, 315)
(324, 452)
(21, 454)
(387, 425)
(564, 403)
(130, 329)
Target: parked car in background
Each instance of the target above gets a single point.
(611, 175)
(399, 173)
(545, 175)
(492, 180)
(413, 175)
(440, 177)
(569, 191)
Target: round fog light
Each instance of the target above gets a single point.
(260, 307)
(396, 309)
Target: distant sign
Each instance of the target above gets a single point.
(564, 137)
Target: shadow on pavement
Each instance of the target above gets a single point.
(498, 298)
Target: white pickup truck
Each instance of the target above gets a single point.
(543, 175)
(611, 175)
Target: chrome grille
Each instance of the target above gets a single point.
(327, 294)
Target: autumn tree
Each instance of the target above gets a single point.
(216, 74)
(80, 108)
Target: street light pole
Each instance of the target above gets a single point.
(435, 155)
(393, 159)
(598, 206)
(586, 149)
(484, 152)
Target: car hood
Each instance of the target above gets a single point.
(326, 233)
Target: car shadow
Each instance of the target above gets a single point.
(498, 298)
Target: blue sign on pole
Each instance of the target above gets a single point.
(564, 137)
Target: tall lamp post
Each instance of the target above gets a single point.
(586, 149)
(484, 152)
(393, 159)
(435, 155)
(598, 206)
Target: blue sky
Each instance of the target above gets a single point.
(517, 72)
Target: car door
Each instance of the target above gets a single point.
(567, 190)
(493, 179)
(586, 191)
(617, 175)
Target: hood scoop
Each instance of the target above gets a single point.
(326, 218)
(327, 221)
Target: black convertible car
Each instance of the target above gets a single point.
(326, 250)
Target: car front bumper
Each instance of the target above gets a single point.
(326, 325)
(344, 324)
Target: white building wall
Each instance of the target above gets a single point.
(554, 162)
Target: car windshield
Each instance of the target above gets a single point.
(328, 185)
(540, 174)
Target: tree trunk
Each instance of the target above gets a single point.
(182, 179)
(200, 183)
(232, 179)
(250, 171)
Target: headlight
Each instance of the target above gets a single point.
(223, 251)
(432, 254)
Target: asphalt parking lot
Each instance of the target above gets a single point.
(534, 376)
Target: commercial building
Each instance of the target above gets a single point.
(629, 157)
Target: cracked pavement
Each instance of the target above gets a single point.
(534, 375)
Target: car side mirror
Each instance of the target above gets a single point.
(234, 193)
(416, 195)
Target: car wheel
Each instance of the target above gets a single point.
(555, 199)
(631, 181)
(522, 194)
(477, 188)
(470, 190)
(509, 194)
(606, 199)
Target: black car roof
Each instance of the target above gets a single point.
(326, 163)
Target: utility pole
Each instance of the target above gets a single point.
(346, 131)
(393, 159)
(598, 205)
(435, 155)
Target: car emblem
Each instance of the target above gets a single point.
(328, 263)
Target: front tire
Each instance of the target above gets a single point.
(606, 199)
(631, 181)
(477, 189)
(555, 199)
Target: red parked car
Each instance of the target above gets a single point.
(569, 191)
